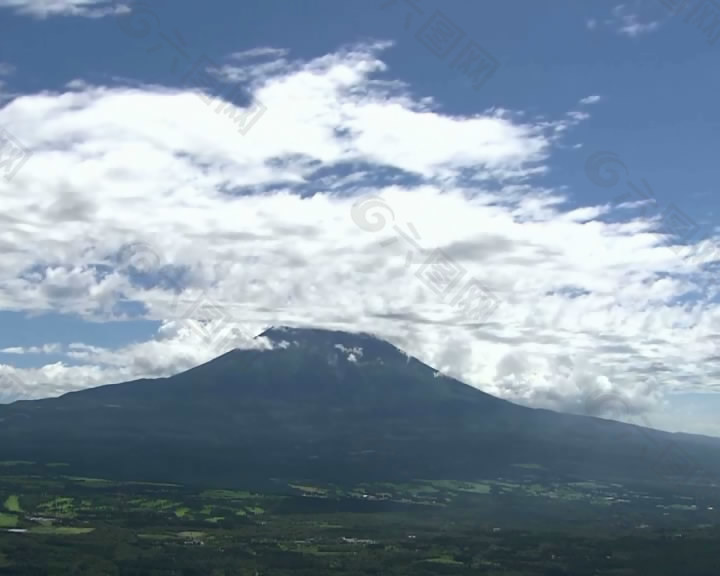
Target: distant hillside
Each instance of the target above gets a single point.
(330, 406)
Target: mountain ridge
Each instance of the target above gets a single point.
(327, 406)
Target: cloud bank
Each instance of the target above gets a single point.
(143, 202)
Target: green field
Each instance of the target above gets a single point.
(8, 520)
(61, 530)
(12, 504)
(529, 526)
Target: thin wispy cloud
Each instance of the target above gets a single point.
(84, 8)
(53, 348)
(625, 21)
(262, 52)
(630, 23)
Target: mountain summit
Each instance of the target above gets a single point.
(327, 406)
(352, 347)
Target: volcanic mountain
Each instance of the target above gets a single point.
(330, 407)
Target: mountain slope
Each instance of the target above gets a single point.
(328, 406)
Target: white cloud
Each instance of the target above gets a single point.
(626, 21)
(588, 304)
(629, 23)
(353, 354)
(577, 115)
(265, 51)
(53, 348)
(85, 8)
(593, 99)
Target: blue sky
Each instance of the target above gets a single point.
(144, 232)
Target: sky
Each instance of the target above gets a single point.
(521, 194)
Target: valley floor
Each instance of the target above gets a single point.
(53, 522)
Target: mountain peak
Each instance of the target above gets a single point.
(302, 332)
(356, 345)
(325, 406)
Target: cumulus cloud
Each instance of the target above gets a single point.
(143, 202)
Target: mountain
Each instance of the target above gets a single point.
(332, 407)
